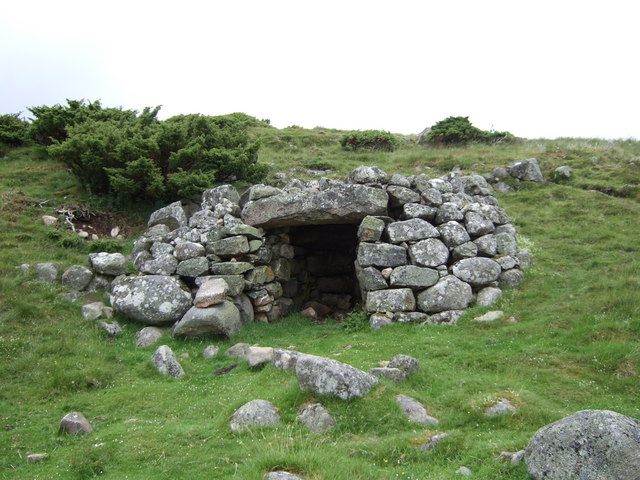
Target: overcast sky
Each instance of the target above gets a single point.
(535, 68)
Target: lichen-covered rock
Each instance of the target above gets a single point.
(324, 376)
(415, 411)
(48, 272)
(390, 373)
(220, 319)
(487, 296)
(391, 300)
(256, 413)
(527, 170)
(429, 253)
(166, 362)
(477, 224)
(150, 299)
(228, 247)
(413, 277)
(187, 250)
(405, 362)
(399, 195)
(410, 230)
(193, 267)
(588, 445)
(381, 255)
(478, 271)
(453, 234)
(368, 174)
(450, 293)
(212, 197)
(416, 210)
(511, 278)
(172, 216)
(148, 336)
(316, 418)
(211, 292)
(370, 229)
(77, 277)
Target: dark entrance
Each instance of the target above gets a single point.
(323, 272)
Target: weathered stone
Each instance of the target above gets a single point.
(449, 317)
(394, 374)
(256, 192)
(93, 311)
(487, 245)
(338, 204)
(527, 170)
(75, 423)
(187, 250)
(431, 444)
(48, 272)
(410, 230)
(36, 457)
(151, 299)
(409, 317)
(379, 320)
(244, 306)
(230, 268)
(148, 336)
(316, 418)
(507, 262)
(210, 351)
(381, 255)
(476, 185)
(77, 277)
(162, 265)
(193, 267)
(405, 363)
(565, 172)
(448, 212)
(368, 174)
(166, 362)
(413, 277)
(285, 359)
(256, 413)
(487, 296)
(524, 259)
(258, 355)
(398, 196)
(432, 197)
(477, 224)
(172, 216)
(453, 234)
(415, 411)
(239, 350)
(281, 269)
(220, 319)
(464, 471)
(449, 293)
(281, 476)
(478, 271)
(491, 316)
(500, 408)
(230, 246)
(391, 300)
(588, 445)
(235, 283)
(415, 210)
(211, 292)
(260, 275)
(112, 329)
(212, 197)
(429, 253)
(466, 250)
(324, 376)
(370, 229)
(506, 244)
(511, 278)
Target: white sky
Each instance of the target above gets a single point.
(535, 68)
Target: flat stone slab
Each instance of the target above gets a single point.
(338, 204)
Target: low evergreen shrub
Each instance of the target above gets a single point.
(370, 140)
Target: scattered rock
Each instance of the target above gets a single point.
(256, 413)
(490, 316)
(464, 471)
(112, 329)
(526, 170)
(77, 277)
(488, 296)
(239, 350)
(36, 457)
(148, 336)
(433, 442)
(48, 272)
(281, 476)
(316, 418)
(325, 376)
(75, 423)
(220, 319)
(379, 320)
(501, 408)
(588, 445)
(394, 374)
(405, 362)
(109, 263)
(166, 362)
(415, 411)
(259, 356)
(93, 311)
(210, 351)
(49, 220)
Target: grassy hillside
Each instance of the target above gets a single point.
(575, 344)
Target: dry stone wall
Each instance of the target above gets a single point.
(410, 249)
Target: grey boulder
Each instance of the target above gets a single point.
(256, 413)
(527, 170)
(478, 271)
(172, 216)
(77, 277)
(166, 362)
(588, 445)
(316, 418)
(324, 376)
(75, 423)
(220, 319)
(151, 299)
(450, 293)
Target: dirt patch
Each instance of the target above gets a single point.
(101, 224)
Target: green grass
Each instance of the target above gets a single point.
(575, 345)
